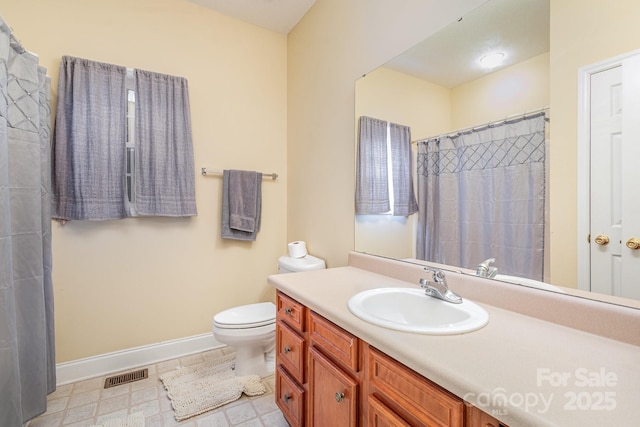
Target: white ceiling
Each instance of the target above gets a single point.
(518, 28)
(275, 15)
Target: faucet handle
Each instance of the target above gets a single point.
(438, 275)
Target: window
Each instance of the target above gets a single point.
(384, 182)
(122, 144)
(131, 150)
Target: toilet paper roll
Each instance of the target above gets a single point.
(297, 249)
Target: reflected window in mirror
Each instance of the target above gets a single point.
(384, 183)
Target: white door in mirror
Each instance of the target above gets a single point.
(615, 206)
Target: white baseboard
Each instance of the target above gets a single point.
(118, 361)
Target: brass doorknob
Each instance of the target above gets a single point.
(633, 243)
(601, 239)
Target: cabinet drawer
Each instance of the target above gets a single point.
(477, 418)
(381, 416)
(333, 340)
(290, 351)
(289, 398)
(290, 311)
(411, 395)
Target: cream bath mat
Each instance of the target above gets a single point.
(133, 420)
(196, 389)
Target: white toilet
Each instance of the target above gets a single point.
(251, 329)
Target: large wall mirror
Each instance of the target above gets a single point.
(444, 85)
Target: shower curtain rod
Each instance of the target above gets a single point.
(459, 132)
(206, 171)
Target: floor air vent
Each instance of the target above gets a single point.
(129, 377)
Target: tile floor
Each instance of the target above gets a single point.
(87, 403)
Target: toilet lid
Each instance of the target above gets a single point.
(246, 316)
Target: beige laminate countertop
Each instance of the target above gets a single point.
(520, 369)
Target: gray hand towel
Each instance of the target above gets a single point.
(241, 204)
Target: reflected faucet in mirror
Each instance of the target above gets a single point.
(486, 270)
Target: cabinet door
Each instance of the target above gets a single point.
(333, 399)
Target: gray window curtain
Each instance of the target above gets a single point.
(404, 200)
(27, 349)
(372, 174)
(89, 180)
(482, 195)
(89, 141)
(164, 150)
(372, 191)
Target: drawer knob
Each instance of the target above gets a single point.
(287, 350)
(339, 396)
(288, 311)
(286, 397)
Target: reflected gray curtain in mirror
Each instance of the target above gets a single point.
(379, 140)
(482, 195)
(27, 350)
(404, 200)
(372, 190)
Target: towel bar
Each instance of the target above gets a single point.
(205, 172)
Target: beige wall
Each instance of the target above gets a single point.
(513, 90)
(582, 33)
(122, 284)
(397, 97)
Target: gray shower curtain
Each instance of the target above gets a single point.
(481, 195)
(27, 360)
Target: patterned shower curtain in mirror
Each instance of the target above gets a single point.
(27, 361)
(482, 195)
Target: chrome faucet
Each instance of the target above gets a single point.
(484, 269)
(438, 288)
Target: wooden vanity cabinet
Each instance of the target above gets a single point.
(327, 377)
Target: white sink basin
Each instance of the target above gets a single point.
(410, 310)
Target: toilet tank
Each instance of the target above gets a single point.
(287, 264)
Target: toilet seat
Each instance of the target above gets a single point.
(246, 316)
